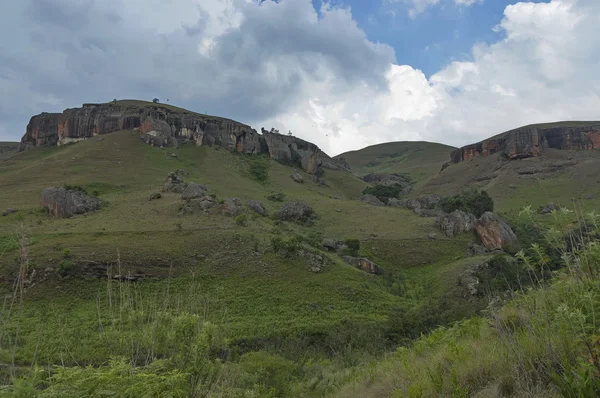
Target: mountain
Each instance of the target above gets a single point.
(7, 149)
(419, 159)
(168, 126)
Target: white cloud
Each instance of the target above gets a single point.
(467, 3)
(284, 65)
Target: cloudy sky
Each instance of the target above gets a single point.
(341, 73)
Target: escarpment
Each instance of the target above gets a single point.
(532, 140)
(166, 126)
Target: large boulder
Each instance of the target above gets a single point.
(232, 207)
(363, 264)
(428, 201)
(295, 211)
(174, 183)
(65, 203)
(297, 177)
(495, 234)
(372, 200)
(257, 207)
(194, 191)
(456, 223)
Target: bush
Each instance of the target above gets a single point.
(79, 188)
(384, 192)
(259, 169)
(276, 197)
(65, 267)
(472, 201)
(67, 253)
(242, 220)
(353, 246)
(287, 246)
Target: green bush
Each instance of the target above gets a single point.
(65, 267)
(242, 220)
(276, 197)
(67, 253)
(353, 246)
(287, 246)
(259, 169)
(79, 188)
(384, 192)
(471, 201)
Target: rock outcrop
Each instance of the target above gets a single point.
(65, 203)
(166, 126)
(371, 199)
(257, 207)
(194, 191)
(456, 223)
(363, 264)
(495, 234)
(295, 211)
(532, 140)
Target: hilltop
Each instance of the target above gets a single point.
(419, 159)
(7, 149)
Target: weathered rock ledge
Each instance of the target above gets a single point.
(532, 140)
(163, 125)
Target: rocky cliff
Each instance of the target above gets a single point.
(533, 140)
(164, 125)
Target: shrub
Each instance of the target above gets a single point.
(471, 201)
(79, 188)
(353, 246)
(67, 253)
(242, 220)
(384, 192)
(276, 196)
(287, 246)
(259, 169)
(65, 267)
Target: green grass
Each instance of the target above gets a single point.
(421, 160)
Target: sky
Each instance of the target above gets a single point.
(343, 74)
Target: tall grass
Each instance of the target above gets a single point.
(543, 342)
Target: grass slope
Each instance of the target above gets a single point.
(419, 159)
(7, 149)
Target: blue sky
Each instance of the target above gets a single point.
(433, 38)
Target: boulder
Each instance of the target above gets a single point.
(194, 191)
(65, 203)
(8, 212)
(154, 196)
(476, 250)
(393, 202)
(432, 236)
(495, 234)
(232, 207)
(428, 201)
(363, 264)
(331, 245)
(257, 207)
(174, 183)
(372, 200)
(297, 178)
(456, 223)
(295, 211)
(549, 208)
(203, 204)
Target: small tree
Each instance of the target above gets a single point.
(156, 100)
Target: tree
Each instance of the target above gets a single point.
(156, 100)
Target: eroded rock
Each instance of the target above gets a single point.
(65, 203)
(297, 178)
(257, 207)
(174, 183)
(495, 234)
(295, 211)
(456, 223)
(232, 207)
(194, 191)
(363, 264)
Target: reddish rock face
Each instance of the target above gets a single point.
(531, 141)
(160, 125)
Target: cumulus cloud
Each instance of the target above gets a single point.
(285, 65)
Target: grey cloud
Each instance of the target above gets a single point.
(82, 51)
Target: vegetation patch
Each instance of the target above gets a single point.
(470, 201)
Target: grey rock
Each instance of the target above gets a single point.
(232, 207)
(154, 196)
(174, 183)
(476, 250)
(257, 207)
(330, 244)
(8, 212)
(428, 201)
(549, 208)
(372, 200)
(203, 204)
(295, 211)
(297, 178)
(432, 236)
(393, 202)
(456, 223)
(65, 203)
(363, 264)
(194, 191)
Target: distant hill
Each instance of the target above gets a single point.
(419, 159)
(7, 149)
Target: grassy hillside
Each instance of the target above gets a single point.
(558, 176)
(205, 274)
(8, 149)
(421, 160)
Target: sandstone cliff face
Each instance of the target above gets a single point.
(162, 125)
(532, 140)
